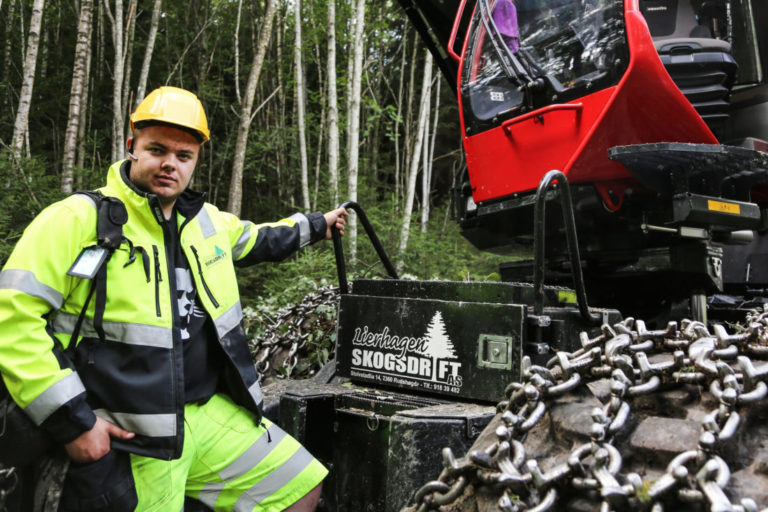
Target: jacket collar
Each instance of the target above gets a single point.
(189, 203)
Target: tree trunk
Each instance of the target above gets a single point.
(333, 107)
(425, 178)
(426, 92)
(234, 204)
(22, 31)
(300, 106)
(117, 78)
(21, 124)
(319, 155)
(408, 118)
(82, 48)
(398, 120)
(280, 118)
(350, 46)
(237, 51)
(127, 60)
(353, 150)
(429, 153)
(85, 103)
(101, 56)
(141, 88)
(42, 56)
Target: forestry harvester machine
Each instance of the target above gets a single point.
(642, 125)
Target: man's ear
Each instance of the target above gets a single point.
(129, 148)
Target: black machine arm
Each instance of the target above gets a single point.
(573, 244)
(341, 268)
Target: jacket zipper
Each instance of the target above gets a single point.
(158, 279)
(202, 278)
(177, 368)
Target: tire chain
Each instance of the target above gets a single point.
(284, 342)
(721, 361)
(9, 480)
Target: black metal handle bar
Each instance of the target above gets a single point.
(573, 244)
(338, 249)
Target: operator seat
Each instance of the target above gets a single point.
(700, 65)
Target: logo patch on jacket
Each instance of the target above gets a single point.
(220, 255)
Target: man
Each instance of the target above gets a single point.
(151, 382)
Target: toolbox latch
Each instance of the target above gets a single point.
(494, 351)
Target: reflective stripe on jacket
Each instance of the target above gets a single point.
(135, 377)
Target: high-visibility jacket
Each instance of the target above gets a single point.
(134, 378)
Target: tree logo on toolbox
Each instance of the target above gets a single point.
(441, 350)
(431, 359)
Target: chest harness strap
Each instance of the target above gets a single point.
(111, 216)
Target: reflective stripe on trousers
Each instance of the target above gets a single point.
(228, 463)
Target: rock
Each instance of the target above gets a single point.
(670, 403)
(572, 417)
(663, 438)
(761, 462)
(747, 484)
(601, 389)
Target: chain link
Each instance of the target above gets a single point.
(284, 347)
(9, 480)
(723, 362)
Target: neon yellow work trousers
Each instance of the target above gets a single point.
(228, 463)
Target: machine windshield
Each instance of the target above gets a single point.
(529, 53)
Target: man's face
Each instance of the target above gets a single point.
(165, 160)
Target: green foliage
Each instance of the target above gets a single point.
(270, 286)
(26, 188)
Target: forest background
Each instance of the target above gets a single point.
(310, 103)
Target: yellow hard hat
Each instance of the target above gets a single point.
(171, 105)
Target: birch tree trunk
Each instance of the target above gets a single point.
(408, 138)
(130, 32)
(235, 202)
(398, 120)
(82, 48)
(86, 103)
(21, 124)
(425, 178)
(426, 92)
(117, 78)
(350, 50)
(300, 106)
(319, 155)
(236, 50)
(353, 150)
(429, 153)
(141, 88)
(333, 107)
